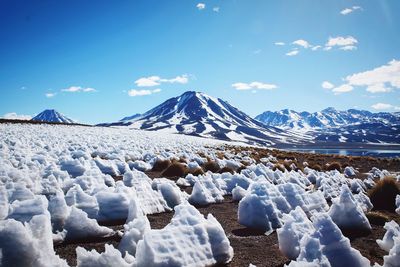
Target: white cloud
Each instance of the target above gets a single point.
(279, 43)
(341, 41)
(50, 95)
(15, 116)
(316, 47)
(382, 106)
(253, 86)
(216, 9)
(258, 51)
(292, 53)
(379, 80)
(344, 88)
(327, 85)
(156, 80)
(201, 6)
(75, 89)
(348, 47)
(142, 92)
(347, 11)
(302, 43)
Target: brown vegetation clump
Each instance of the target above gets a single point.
(197, 172)
(279, 167)
(383, 194)
(161, 165)
(316, 167)
(334, 166)
(211, 166)
(176, 169)
(227, 169)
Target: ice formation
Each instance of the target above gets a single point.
(392, 231)
(347, 214)
(189, 240)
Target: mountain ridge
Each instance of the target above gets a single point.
(51, 115)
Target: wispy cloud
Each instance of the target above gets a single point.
(156, 80)
(344, 43)
(302, 43)
(292, 53)
(327, 85)
(76, 89)
(385, 106)
(15, 116)
(216, 9)
(382, 79)
(241, 86)
(201, 6)
(349, 10)
(279, 43)
(142, 92)
(344, 88)
(50, 95)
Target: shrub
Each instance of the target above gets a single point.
(227, 169)
(211, 166)
(334, 166)
(316, 167)
(383, 194)
(279, 167)
(161, 165)
(176, 169)
(197, 172)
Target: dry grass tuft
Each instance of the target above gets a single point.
(211, 166)
(176, 169)
(227, 169)
(334, 166)
(161, 165)
(383, 194)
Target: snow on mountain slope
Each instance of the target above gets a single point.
(329, 117)
(51, 115)
(331, 125)
(198, 114)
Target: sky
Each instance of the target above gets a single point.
(99, 61)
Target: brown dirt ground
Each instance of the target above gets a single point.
(252, 246)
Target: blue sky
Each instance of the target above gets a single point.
(98, 61)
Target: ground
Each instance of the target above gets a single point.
(252, 246)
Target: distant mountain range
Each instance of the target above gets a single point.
(327, 118)
(198, 114)
(331, 125)
(51, 115)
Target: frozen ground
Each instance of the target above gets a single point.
(61, 186)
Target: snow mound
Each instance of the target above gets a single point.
(111, 257)
(296, 225)
(29, 245)
(149, 200)
(79, 226)
(392, 231)
(238, 193)
(347, 214)
(205, 192)
(335, 246)
(393, 259)
(134, 231)
(189, 240)
(398, 204)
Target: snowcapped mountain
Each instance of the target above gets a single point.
(198, 114)
(331, 125)
(327, 118)
(51, 115)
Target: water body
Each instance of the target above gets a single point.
(351, 152)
